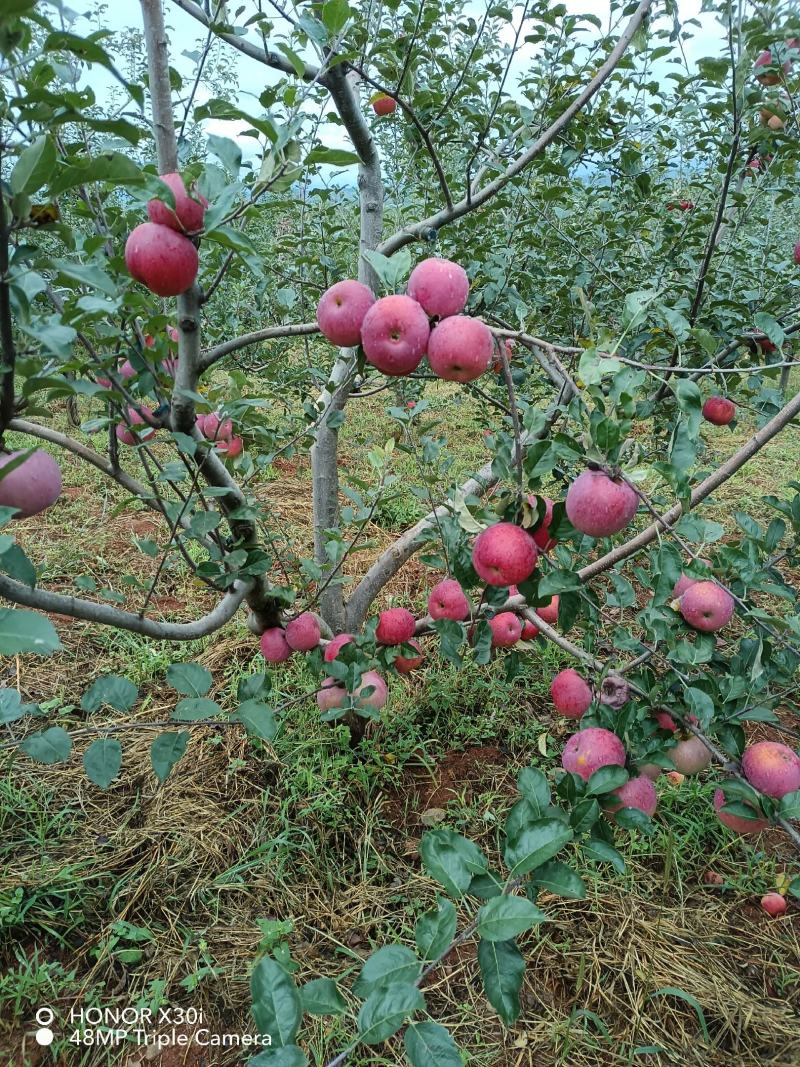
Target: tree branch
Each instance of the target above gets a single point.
(214, 355)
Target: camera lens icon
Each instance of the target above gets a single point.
(44, 1016)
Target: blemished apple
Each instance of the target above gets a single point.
(549, 612)
(161, 259)
(440, 286)
(719, 410)
(341, 311)
(772, 768)
(639, 793)
(447, 600)
(506, 629)
(650, 770)
(303, 633)
(712, 878)
(504, 554)
(738, 823)
(685, 581)
(690, 756)
(600, 506)
(571, 693)
(590, 749)
(395, 626)
(335, 645)
(774, 905)
(674, 777)
(190, 208)
(407, 664)
(460, 348)
(33, 486)
(274, 646)
(394, 334)
(542, 535)
(707, 607)
(614, 691)
(383, 105)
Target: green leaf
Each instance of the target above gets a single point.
(48, 746)
(277, 1009)
(386, 1010)
(322, 997)
(451, 860)
(436, 929)
(556, 877)
(252, 687)
(33, 167)
(102, 761)
(227, 152)
(165, 752)
(770, 326)
(288, 1056)
(390, 965)
(606, 779)
(335, 157)
(790, 806)
(533, 786)
(193, 709)
(119, 693)
(335, 14)
(431, 1045)
(535, 845)
(502, 970)
(597, 851)
(505, 917)
(25, 631)
(11, 707)
(189, 678)
(16, 564)
(259, 720)
(391, 271)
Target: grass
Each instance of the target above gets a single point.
(147, 895)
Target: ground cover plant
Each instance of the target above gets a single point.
(400, 533)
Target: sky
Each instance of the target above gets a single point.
(186, 35)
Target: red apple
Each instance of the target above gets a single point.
(600, 506)
(690, 756)
(504, 554)
(161, 259)
(440, 286)
(706, 606)
(189, 209)
(274, 646)
(719, 410)
(738, 823)
(383, 104)
(395, 626)
(341, 312)
(542, 534)
(590, 749)
(394, 334)
(335, 645)
(303, 633)
(772, 768)
(31, 487)
(407, 664)
(571, 693)
(549, 612)
(774, 905)
(448, 601)
(460, 348)
(506, 629)
(639, 793)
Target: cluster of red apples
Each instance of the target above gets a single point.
(396, 331)
(160, 253)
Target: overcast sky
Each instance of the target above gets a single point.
(186, 35)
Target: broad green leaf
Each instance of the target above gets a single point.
(119, 693)
(790, 806)
(536, 845)
(502, 970)
(288, 1056)
(431, 1045)
(606, 779)
(390, 965)
(16, 564)
(321, 996)
(11, 707)
(597, 851)
(505, 917)
(48, 746)
(189, 678)
(277, 1009)
(227, 152)
(258, 719)
(193, 709)
(385, 1010)
(436, 929)
(34, 166)
(335, 157)
(451, 860)
(556, 877)
(25, 631)
(533, 786)
(166, 750)
(102, 761)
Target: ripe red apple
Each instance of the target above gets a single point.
(189, 209)
(774, 905)
(230, 448)
(639, 793)
(738, 823)
(440, 286)
(303, 633)
(341, 311)
(685, 581)
(772, 768)
(690, 756)
(529, 631)
(274, 646)
(665, 721)
(383, 104)
(686, 205)
(333, 695)
(395, 626)
(394, 334)
(126, 370)
(124, 435)
(504, 554)
(719, 410)
(214, 428)
(599, 506)
(407, 664)
(571, 693)
(460, 348)
(767, 71)
(549, 612)
(706, 606)
(542, 535)
(448, 601)
(506, 629)
(590, 749)
(33, 486)
(163, 260)
(335, 645)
